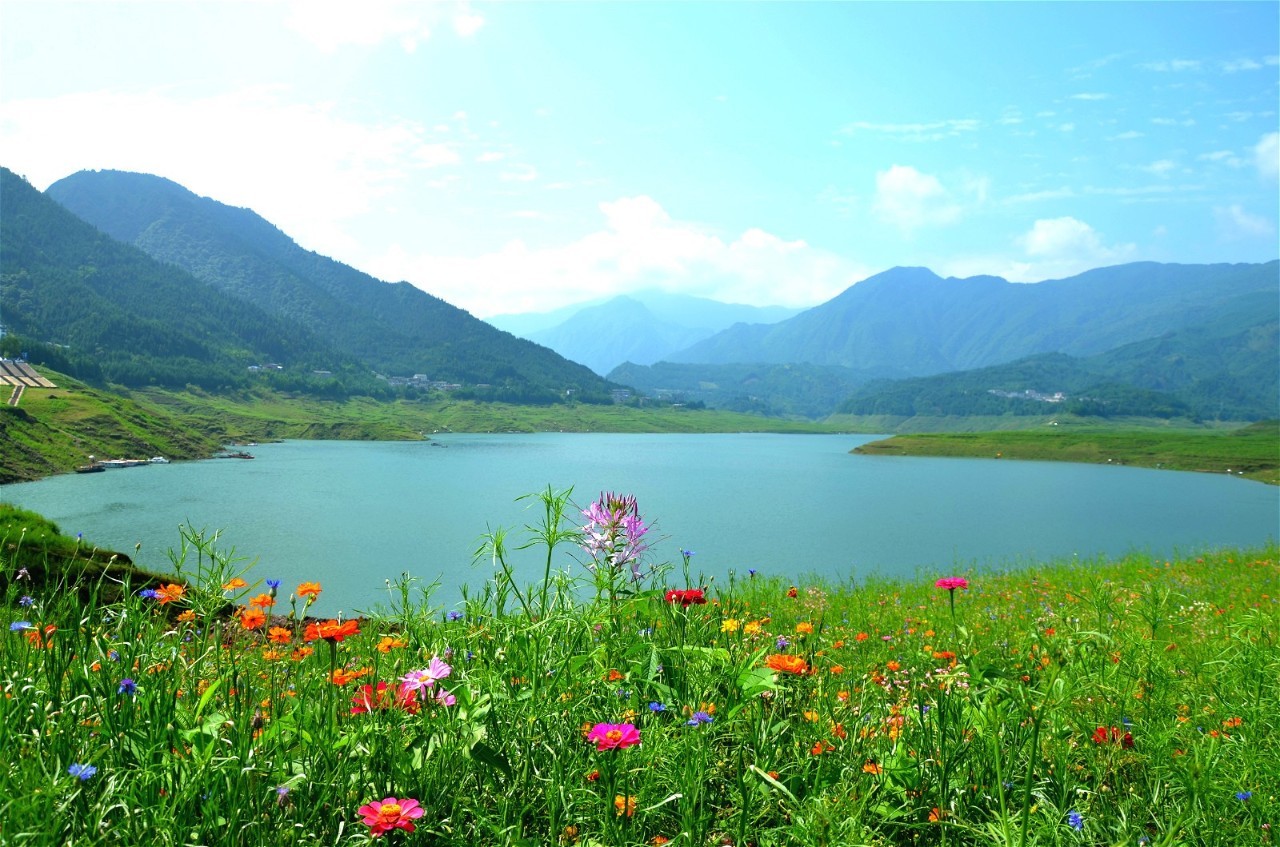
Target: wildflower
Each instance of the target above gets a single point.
(624, 805)
(872, 768)
(614, 736)
(1102, 735)
(127, 686)
(936, 814)
(793, 592)
(279, 635)
(730, 625)
(1244, 796)
(19, 626)
(454, 615)
(263, 601)
(332, 631)
(444, 698)
(282, 796)
(235, 583)
(310, 590)
(26, 600)
(782, 643)
(252, 619)
(594, 776)
(804, 628)
(420, 681)
(188, 616)
(274, 585)
(782, 663)
(614, 533)
(389, 643)
(752, 628)
(687, 597)
(383, 816)
(699, 718)
(370, 698)
(820, 747)
(751, 572)
(171, 593)
(301, 653)
(951, 583)
(149, 594)
(341, 676)
(656, 707)
(1075, 820)
(82, 772)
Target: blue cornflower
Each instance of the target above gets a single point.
(113, 655)
(656, 707)
(1242, 796)
(751, 571)
(274, 585)
(687, 553)
(26, 600)
(19, 626)
(1075, 820)
(624, 693)
(148, 594)
(82, 772)
(783, 643)
(699, 718)
(454, 615)
(127, 686)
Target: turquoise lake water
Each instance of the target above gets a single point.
(354, 514)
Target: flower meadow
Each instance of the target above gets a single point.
(621, 701)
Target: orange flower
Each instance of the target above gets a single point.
(783, 663)
(342, 676)
(170, 593)
(820, 747)
(614, 676)
(838, 730)
(861, 636)
(804, 628)
(263, 601)
(792, 592)
(252, 619)
(234, 584)
(301, 653)
(279, 635)
(188, 616)
(625, 805)
(332, 631)
(872, 768)
(310, 590)
(388, 643)
(893, 665)
(936, 814)
(272, 655)
(836, 670)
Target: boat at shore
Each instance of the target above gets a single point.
(110, 464)
(93, 468)
(239, 454)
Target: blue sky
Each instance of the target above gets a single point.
(517, 157)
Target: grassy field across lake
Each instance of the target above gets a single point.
(1252, 452)
(1128, 702)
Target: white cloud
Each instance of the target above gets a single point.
(1237, 65)
(638, 246)
(931, 131)
(1053, 248)
(1161, 168)
(1090, 95)
(1266, 154)
(302, 166)
(909, 199)
(1128, 135)
(331, 24)
(1172, 65)
(1234, 222)
(1226, 157)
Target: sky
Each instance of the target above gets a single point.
(521, 156)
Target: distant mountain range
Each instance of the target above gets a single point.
(330, 315)
(642, 327)
(1139, 339)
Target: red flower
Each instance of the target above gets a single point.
(376, 699)
(792, 592)
(332, 631)
(382, 816)
(687, 597)
(951, 583)
(1102, 735)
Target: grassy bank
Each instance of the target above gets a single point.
(1252, 451)
(1111, 702)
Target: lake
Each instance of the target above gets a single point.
(353, 514)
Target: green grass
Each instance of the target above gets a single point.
(1252, 451)
(1136, 697)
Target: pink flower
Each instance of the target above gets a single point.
(614, 736)
(951, 583)
(419, 681)
(386, 815)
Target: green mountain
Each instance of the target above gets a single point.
(810, 391)
(393, 328)
(1225, 368)
(910, 322)
(107, 310)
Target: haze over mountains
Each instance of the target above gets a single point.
(149, 283)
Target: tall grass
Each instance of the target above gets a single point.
(1126, 702)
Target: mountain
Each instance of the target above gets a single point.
(641, 328)
(910, 322)
(116, 313)
(393, 328)
(1225, 368)
(810, 391)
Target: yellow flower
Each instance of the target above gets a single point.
(730, 625)
(804, 628)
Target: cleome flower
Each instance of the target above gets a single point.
(614, 533)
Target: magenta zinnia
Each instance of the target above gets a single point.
(382, 816)
(614, 736)
(951, 583)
